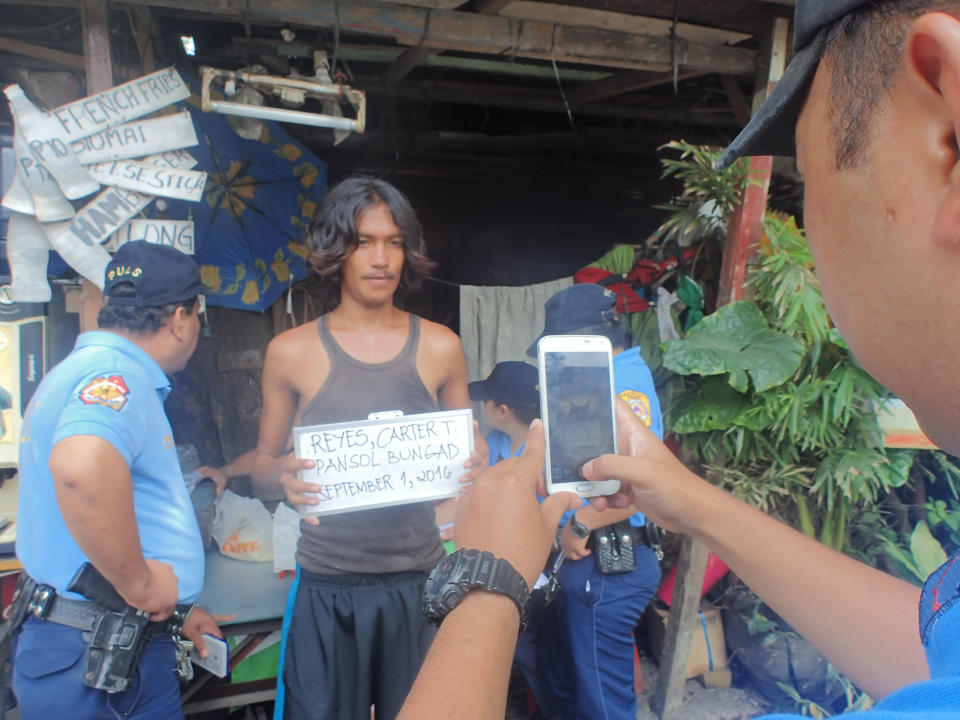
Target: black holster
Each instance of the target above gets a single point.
(614, 545)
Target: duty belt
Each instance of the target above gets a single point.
(115, 635)
(46, 604)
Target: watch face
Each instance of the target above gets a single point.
(441, 592)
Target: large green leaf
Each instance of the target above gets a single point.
(714, 405)
(737, 340)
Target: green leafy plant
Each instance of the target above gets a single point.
(774, 405)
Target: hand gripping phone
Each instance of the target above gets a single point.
(577, 407)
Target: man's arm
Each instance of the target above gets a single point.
(239, 466)
(862, 620)
(576, 548)
(453, 394)
(271, 466)
(499, 514)
(95, 496)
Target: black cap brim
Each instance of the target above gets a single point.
(478, 391)
(771, 130)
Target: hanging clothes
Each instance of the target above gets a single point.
(498, 323)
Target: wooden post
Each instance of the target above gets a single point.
(681, 626)
(744, 231)
(99, 72)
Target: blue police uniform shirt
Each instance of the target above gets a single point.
(498, 444)
(110, 388)
(633, 383)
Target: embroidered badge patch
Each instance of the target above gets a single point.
(639, 403)
(108, 391)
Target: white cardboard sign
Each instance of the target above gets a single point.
(148, 177)
(119, 104)
(175, 233)
(375, 463)
(136, 139)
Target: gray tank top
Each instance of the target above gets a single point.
(383, 540)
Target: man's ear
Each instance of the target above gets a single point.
(178, 322)
(932, 55)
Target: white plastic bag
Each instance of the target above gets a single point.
(243, 528)
(286, 534)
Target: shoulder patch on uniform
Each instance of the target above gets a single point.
(639, 403)
(110, 392)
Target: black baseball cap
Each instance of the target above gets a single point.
(512, 383)
(580, 306)
(160, 275)
(771, 130)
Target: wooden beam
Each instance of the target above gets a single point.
(539, 101)
(668, 692)
(621, 21)
(622, 83)
(772, 60)
(404, 65)
(99, 73)
(490, 7)
(736, 98)
(489, 34)
(42, 53)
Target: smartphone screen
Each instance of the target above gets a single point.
(578, 393)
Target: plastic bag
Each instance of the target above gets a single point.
(243, 528)
(286, 534)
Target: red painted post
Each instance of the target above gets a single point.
(744, 231)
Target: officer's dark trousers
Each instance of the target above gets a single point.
(354, 641)
(48, 679)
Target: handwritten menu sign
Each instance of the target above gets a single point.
(394, 461)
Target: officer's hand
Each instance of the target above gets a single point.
(651, 477)
(479, 460)
(158, 595)
(199, 622)
(296, 490)
(500, 513)
(573, 547)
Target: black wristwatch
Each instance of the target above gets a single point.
(466, 570)
(578, 528)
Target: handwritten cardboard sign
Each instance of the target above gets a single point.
(175, 233)
(137, 138)
(376, 463)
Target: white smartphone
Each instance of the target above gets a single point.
(577, 408)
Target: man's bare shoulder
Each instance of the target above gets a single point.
(290, 345)
(439, 338)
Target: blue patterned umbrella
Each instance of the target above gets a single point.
(259, 199)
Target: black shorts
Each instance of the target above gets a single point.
(354, 641)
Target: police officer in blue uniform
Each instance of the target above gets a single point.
(100, 484)
(585, 647)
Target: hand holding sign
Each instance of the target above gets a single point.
(375, 463)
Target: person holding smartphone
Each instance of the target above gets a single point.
(869, 106)
(584, 653)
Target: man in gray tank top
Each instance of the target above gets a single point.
(356, 636)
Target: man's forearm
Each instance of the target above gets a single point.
(476, 642)
(863, 620)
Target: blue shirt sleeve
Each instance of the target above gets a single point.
(109, 405)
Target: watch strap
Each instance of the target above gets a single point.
(480, 570)
(578, 528)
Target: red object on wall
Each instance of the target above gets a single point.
(716, 569)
